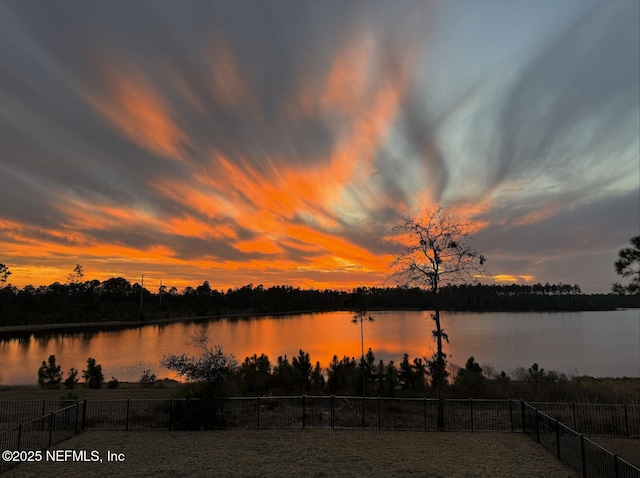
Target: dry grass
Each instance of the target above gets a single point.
(162, 389)
(626, 448)
(305, 453)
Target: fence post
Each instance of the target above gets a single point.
(44, 411)
(170, 413)
(303, 410)
(216, 401)
(424, 401)
(19, 435)
(537, 426)
(557, 424)
(615, 465)
(584, 457)
(379, 415)
(573, 410)
(258, 414)
(522, 417)
(333, 407)
(626, 420)
(50, 429)
(471, 408)
(511, 413)
(75, 425)
(84, 414)
(126, 422)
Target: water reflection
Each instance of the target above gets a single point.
(564, 342)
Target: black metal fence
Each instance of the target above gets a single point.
(546, 423)
(14, 412)
(610, 420)
(302, 411)
(571, 447)
(21, 442)
(596, 419)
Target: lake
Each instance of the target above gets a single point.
(591, 343)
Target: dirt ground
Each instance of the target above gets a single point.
(303, 453)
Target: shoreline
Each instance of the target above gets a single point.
(10, 331)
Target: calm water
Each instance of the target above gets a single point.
(593, 343)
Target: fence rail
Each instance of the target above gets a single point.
(573, 448)
(608, 420)
(302, 411)
(552, 425)
(14, 412)
(40, 433)
(596, 419)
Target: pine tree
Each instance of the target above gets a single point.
(50, 374)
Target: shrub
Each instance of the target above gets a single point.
(469, 381)
(213, 369)
(71, 381)
(147, 379)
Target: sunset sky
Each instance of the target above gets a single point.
(278, 142)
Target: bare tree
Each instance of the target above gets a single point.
(434, 253)
(76, 276)
(212, 368)
(362, 316)
(4, 273)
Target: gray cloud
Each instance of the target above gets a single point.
(576, 97)
(248, 81)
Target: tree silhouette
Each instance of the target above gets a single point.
(435, 253)
(362, 316)
(4, 273)
(628, 265)
(93, 376)
(212, 368)
(77, 275)
(72, 380)
(470, 380)
(50, 374)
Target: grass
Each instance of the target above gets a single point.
(161, 389)
(626, 448)
(308, 453)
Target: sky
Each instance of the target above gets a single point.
(278, 142)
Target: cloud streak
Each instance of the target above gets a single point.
(278, 143)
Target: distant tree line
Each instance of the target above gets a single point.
(117, 299)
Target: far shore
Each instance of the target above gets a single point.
(126, 324)
(9, 330)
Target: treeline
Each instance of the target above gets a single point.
(117, 299)
(257, 375)
(217, 374)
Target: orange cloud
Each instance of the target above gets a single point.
(347, 80)
(537, 215)
(512, 278)
(285, 206)
(263, 246)
(229, 84)
(138, 111)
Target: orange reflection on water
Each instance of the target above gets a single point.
(125, 354)
(505, 340)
